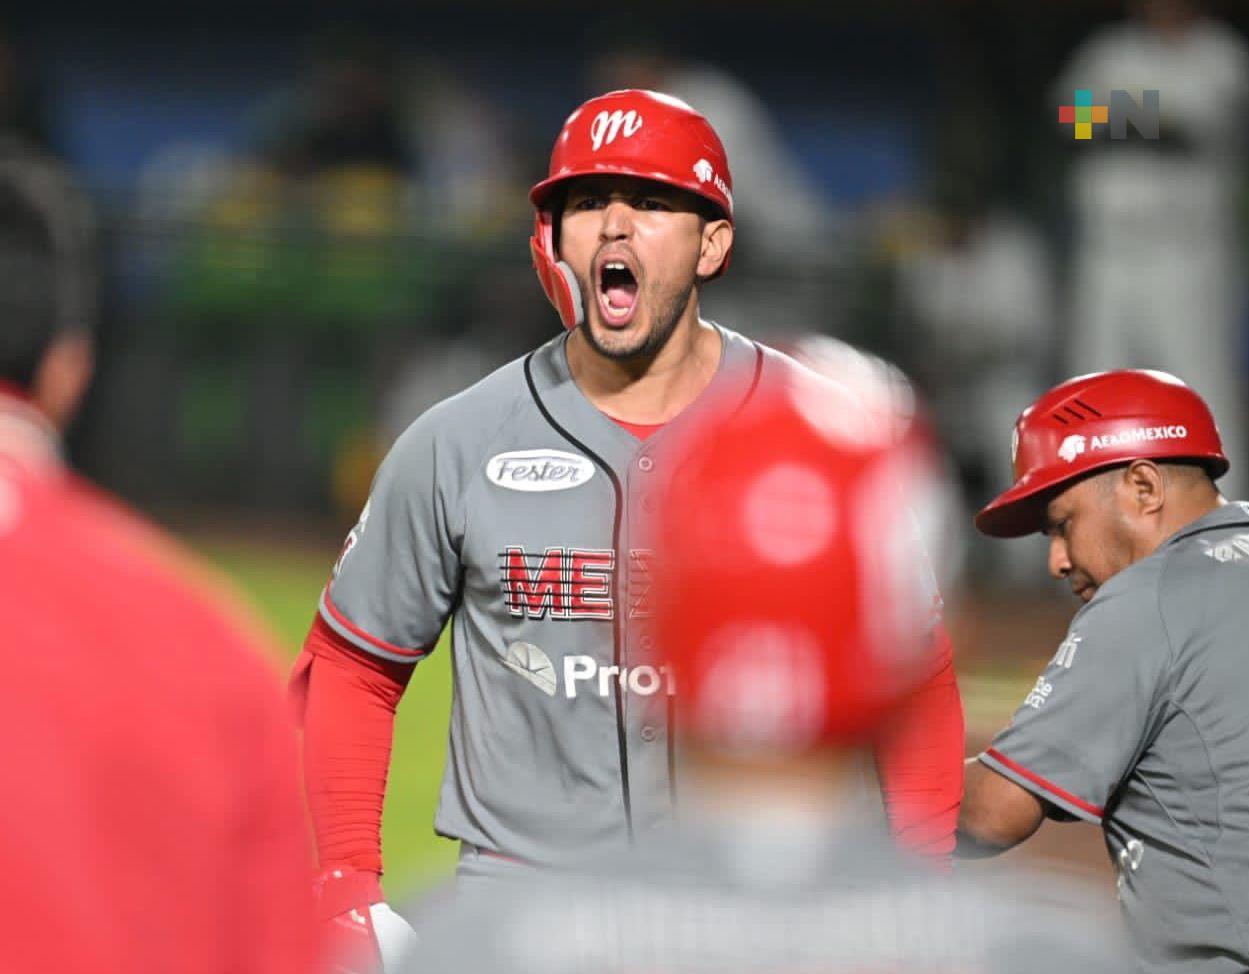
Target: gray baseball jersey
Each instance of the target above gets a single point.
(765, 896)
(516, 508)
(1140, 724)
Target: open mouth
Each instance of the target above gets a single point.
(617, 292)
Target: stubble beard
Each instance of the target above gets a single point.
(664, 323)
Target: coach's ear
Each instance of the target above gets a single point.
(1145, 487)
(717, 241)
(62, 377)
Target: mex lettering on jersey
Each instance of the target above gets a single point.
(639, 583)
(562, 583)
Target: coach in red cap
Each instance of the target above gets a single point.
(1139, 722)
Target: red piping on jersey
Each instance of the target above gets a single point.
(1040, 782)
(490, 853)
(356, 631)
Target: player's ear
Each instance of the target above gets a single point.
(61, 380)
(716, 242)
(1146, 486)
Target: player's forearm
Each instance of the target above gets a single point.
(348, 729)
(920, 763)
(996, 814)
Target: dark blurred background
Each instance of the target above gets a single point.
(312, 219)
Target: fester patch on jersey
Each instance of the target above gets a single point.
(539, 470)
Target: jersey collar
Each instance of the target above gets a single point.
(572, 410)
(1231, 514)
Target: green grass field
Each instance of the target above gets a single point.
(284, 586)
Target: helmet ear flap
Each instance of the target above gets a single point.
(557, 279)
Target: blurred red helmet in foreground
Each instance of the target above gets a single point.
(796, 595)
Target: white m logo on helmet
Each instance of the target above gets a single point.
(1071, 447)
(608, 125)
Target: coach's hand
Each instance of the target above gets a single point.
(362, 934)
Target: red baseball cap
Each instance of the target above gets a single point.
(1094, 422)
(645, 134)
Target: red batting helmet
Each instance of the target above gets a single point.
(625, 133)
(1093, 422)
(795, 600)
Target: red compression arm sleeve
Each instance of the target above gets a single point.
(347, 700)
(920, 762)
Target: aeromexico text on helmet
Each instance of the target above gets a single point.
(1076, 444)
(705, 172)
(539, 470)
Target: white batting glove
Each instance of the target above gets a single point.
(395, 937)
(361, 933)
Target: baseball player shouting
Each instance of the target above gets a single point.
(1139, 722)
(515, 509)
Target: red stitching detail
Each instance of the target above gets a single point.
(355, 630)
(1040, 782)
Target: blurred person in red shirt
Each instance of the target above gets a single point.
(150, 795)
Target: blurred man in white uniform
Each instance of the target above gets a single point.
(1156, 264)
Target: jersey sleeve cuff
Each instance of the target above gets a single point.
(1042, 788)
(335, 619)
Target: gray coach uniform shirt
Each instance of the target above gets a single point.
(516, 507)
(1140, 724)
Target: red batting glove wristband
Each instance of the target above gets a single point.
(341, 888)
